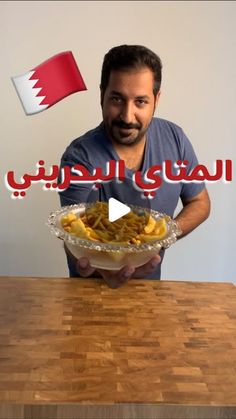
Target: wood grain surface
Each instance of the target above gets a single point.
(73, 348)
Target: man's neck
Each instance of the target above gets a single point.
(132, 155)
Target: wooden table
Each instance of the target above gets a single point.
(72, 348)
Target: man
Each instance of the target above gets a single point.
(130, 91)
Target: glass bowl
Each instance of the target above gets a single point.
(106, 255)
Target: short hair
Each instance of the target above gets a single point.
(125, 57)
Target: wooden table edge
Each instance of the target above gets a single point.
(115, 411)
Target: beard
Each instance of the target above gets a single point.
(126, 134)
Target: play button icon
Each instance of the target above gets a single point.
(116, 209)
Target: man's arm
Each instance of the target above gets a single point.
(194, 212)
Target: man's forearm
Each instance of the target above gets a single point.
(193, 213)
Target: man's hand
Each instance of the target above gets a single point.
(116, 279)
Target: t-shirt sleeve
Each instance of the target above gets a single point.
(189, 190)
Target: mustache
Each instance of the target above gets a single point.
(121, 124)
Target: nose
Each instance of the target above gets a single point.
(127, 113)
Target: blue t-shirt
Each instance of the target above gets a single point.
(164, 141)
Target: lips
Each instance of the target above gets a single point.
(126, 131)
(123, 125)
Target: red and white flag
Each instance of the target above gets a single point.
(49, 82)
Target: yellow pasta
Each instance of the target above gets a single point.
(130, 229)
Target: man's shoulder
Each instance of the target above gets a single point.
(84, 144)
(168, 135)
(89, 136)
(166, 132)
(165, 125)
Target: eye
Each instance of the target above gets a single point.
(141, 102)
(116, 99)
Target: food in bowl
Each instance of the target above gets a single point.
(132, 228)
(133, 239)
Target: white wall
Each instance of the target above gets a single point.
(197, 44)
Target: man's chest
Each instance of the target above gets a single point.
(133, 162)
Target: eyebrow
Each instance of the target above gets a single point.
(114, 92)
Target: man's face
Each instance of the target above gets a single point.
(128, 105)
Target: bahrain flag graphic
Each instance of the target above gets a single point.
(49, 82)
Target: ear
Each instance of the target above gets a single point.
(157, 98)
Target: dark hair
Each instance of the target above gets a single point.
(131, 56)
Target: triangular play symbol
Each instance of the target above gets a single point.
(116, 209)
